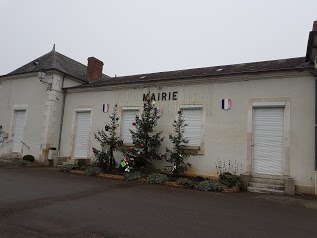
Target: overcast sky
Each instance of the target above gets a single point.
(143, 36)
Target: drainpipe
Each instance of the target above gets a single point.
(62, 119)
(315, 136)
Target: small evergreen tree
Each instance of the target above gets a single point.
(109, 141)
(178, 155)
(145, 139)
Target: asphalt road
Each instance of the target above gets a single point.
(42, 202)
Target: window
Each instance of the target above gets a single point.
(128, 117)
(193, 115)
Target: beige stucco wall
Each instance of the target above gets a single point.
(29, 92)
(43, 110)
(225, 132)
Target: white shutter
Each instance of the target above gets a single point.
(128, 117)
(268, 142)
(82, 134)
(19, 123)
(193, 118)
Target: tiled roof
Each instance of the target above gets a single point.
(264, 66)
(58, 61)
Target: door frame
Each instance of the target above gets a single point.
(283, 102)
(17, 107)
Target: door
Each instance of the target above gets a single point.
(268, 141)
(82, 133)
(18, 130)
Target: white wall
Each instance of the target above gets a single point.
(225, 131)
(24, 91)
(44, 110)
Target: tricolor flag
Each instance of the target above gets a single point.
(105, 107)
(226, 104)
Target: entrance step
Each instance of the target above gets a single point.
(265, 190)
(271, 181)
(267, 185)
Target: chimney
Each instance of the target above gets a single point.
(311, 53)
(94, 69)
(314, 26)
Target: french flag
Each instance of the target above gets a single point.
(226, 104)
(105, 107)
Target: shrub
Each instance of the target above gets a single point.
(157, 178)
(92, 171)
(146, 139)
(186, 182)
(209, 185)
(21, 162)
(105, 161)
(68, 167)
(229, 180)
(132, 176)
(110, 141)
(178, 155)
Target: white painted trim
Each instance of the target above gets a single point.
(83, 110)
(20, 107)
(269, 104)
(184, 107)
(130, 108)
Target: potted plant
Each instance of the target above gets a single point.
(228, 176)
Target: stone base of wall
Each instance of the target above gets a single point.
(304, 189)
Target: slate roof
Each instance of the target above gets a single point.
(57, 61)
(256, 67)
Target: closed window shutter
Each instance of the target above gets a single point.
(18, 130)
(82, 134)
(128, 117)
(268, 141)
(193, 130)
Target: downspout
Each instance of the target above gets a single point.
(62, 119)
(315, 135)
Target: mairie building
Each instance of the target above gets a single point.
(260, 116)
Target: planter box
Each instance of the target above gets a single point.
(77, 172)
(173, 184)
(234, 189)
(111, 176)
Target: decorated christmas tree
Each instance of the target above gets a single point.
(178, 156)
(145, 138)
(109, 141)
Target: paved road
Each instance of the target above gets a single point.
(42, 202)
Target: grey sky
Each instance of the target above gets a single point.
(143, 36)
